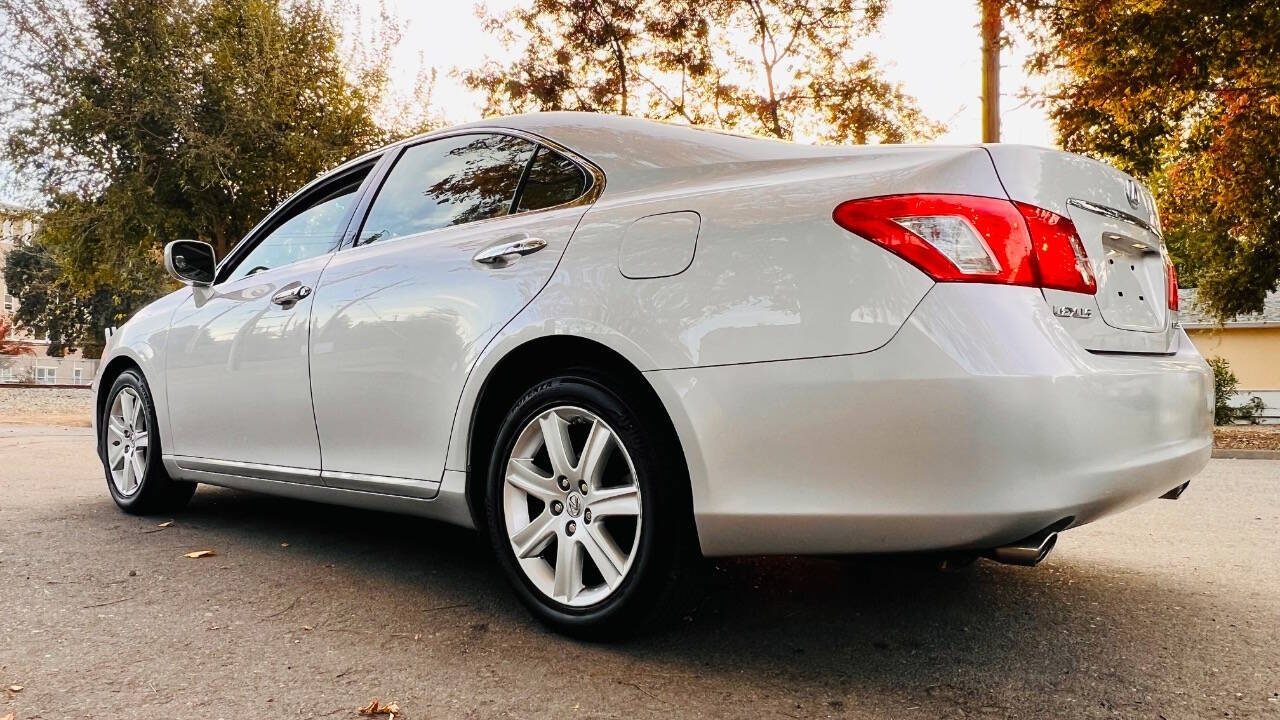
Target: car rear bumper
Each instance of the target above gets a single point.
(981, 422)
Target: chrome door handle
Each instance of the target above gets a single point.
(289, 296)
(495, 254)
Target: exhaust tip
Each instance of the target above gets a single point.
(1027, 553)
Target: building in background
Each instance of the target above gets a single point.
(17, 226)
(1249, 343)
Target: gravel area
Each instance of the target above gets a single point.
(46, 406)
(1247, 437)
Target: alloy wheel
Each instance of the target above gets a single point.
(128, 441)
(572, 506)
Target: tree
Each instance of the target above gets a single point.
(51, 305)
(1224, 387)
(1184, 93)
(144, 121)
(781, 68)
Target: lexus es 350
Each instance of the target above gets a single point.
(615, 346)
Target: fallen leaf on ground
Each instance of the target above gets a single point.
(166, 524)
(1247, 437)
(10, 716)
(200, 554)
(15, 688)
(375, 707)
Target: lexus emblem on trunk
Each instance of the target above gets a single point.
(1066, 311)
(1132, 194)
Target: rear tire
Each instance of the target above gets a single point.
(129, 447)
(601, 575)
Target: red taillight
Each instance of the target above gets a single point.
(1060, 256)
(1171, 282)
(965, 238)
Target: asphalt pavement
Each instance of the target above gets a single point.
(1171, 610)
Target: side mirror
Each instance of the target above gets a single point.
(191, 262)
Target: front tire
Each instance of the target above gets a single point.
(587, 509)
(129, 446)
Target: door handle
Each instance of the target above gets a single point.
(289, 296)
(497, 254)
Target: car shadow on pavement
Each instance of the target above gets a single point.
(827, 629)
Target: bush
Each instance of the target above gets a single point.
(1224, 386)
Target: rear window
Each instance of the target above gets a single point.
(553, 180)
(449, 181)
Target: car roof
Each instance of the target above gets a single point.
(635, 153)
(630, 143)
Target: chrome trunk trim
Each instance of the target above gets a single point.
(1111, 212)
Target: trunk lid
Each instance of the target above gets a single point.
(1117, 222)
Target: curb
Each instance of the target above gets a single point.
(46, 386)
(1246, 454)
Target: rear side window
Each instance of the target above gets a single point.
(447, 182)
(553, 180)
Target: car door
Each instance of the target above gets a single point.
(462, 234)
(236, 358)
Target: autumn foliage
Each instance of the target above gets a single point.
(9, 346)
(1186, 94)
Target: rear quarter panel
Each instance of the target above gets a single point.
(773, 277)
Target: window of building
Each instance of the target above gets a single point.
(10, 302)
(77, 376)
(7, 376)
(47, 375)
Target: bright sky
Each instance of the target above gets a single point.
(931, 46)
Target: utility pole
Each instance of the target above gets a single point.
(991, 28)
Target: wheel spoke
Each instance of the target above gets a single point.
(608, 559)
(615, 501)
(126, 407)
(115, 426)
(135, 421)
(533, 538)
(140, 439)
(126, 475)
(136, 462)
(522, 474)
(555, 434)
(114, 454)
(568, 580)
(595, 453)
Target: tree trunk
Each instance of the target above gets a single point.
(991, 29)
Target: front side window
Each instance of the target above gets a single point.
(315, 228)
(553, 180)
(449, 181)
